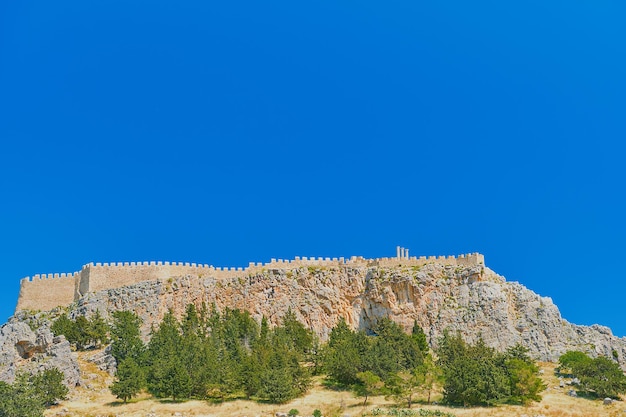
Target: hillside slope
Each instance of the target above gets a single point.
(470, 299)
(94, 399)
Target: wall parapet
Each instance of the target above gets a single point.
(46, 291)
(55, 276)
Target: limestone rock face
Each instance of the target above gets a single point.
(470, 299)
(23, 349)
(104, 360)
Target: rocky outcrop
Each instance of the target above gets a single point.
(470, 299)
(24, 349)
(104, 360)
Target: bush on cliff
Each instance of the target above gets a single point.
(83, 333)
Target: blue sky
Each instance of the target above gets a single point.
(229, 132)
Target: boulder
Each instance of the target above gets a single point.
(22, 348)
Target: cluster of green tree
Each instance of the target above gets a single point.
(390, 361)
(475, 374)
(29, 395)
(229, 355)
(212, 355)
(399, 365)
(82, 332)
(385, 353)
(600, 377)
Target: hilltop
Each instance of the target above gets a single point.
(455, 293)
(439, 293)
(446, 292)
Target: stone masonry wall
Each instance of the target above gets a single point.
(44, 292)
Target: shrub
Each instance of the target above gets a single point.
(29, 395)
(478, 375)
(572, 361)
(601, 376)
(82, 332)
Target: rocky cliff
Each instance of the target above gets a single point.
(28, 350)
(470, 299)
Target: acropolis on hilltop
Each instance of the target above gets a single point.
(47, 291)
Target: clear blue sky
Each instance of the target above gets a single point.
(229, 132)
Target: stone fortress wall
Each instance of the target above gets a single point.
(47, 291)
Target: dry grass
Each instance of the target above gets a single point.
(95, 400)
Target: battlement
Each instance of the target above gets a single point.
(46, 291)
(60, 276)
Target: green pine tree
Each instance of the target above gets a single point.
(473, 373)
(420, 338)
(49, 387)
(168, 376)
(277, 385)
(345, 354)
(296, 335)
(427, 377)
(130, 379)
(525, 380)
(392, 350)
(98, 330)
(369, 384)
(66, 327)
(125, 336)
(20, 399)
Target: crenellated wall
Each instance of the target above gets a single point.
(44, 292)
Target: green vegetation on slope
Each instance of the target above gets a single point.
(399, 365)
(212, 355)
(478, 375)
(226, 355)
(600, 377)
(82, 332)
(29, 395)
